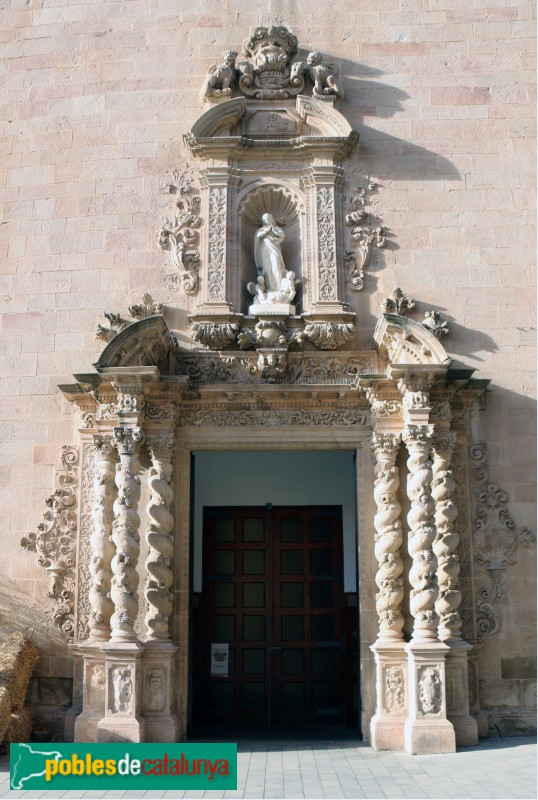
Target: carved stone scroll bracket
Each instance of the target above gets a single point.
(427, 730)
(179, 234)
(496, 542)
(328, 335)
(55, 543)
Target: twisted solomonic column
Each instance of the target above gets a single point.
(446, 543)
(101, 544)
(388, 538)
(158, 533)
(125, 535)
(422, 533)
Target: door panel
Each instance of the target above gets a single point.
(273, 591)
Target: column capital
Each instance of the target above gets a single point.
(128, 440)
(385, 445)
(104, 445)
(161, 445)
(418, 435)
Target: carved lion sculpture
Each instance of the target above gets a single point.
(220, 77)
(323, 76)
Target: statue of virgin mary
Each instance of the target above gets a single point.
(275, 283)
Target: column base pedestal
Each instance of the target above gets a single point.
(465, 728)
(158, 671)
(121, 729)
(427, 737)
(427, 729)
(122, 721)
(387, 724)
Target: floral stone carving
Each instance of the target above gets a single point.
(432, 321)
(55, 542)
(116, 323)
(179, 235)
(398, 303)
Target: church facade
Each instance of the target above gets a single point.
(293, 462)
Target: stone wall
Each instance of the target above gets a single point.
(98, 96)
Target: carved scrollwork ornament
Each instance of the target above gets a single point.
(496, 541)
(55, 542)
(365, 234)
(179, 234)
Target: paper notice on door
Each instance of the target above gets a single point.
(219, 660)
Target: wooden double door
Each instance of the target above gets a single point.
(272, 592)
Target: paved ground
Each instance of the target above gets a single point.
(497, 768)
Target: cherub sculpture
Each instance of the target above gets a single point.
(323, 76)
(220, 77)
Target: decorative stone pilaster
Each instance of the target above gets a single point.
(387, 725)
(447, 606)
(93, 692)
(125, 535)
(100, 540)
(159, 576)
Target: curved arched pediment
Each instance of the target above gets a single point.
(145, 343)
(323, 119)
(219, 120)
(406, 342)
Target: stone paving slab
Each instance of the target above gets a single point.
(496, 768)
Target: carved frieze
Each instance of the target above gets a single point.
(302, 368)
(55, 542)
(272, 418)
(179, 234)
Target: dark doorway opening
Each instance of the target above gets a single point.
(273, 619)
